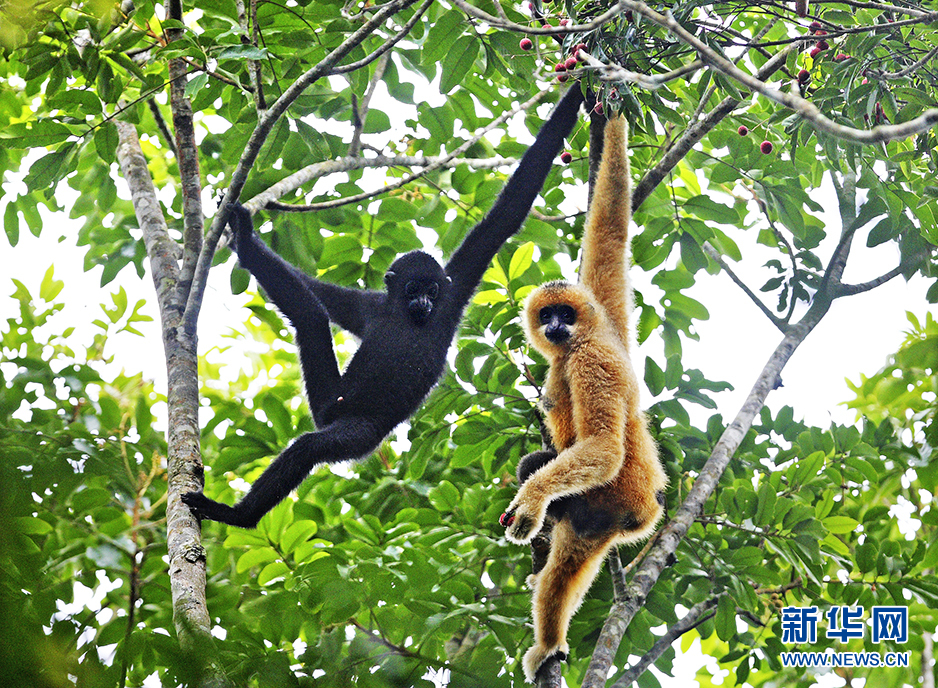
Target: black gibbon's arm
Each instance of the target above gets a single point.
(405, 331)
(470, 261)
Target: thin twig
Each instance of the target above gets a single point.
(390, 43)
(716, 257)
(696, 615)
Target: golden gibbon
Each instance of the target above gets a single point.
(604, 485)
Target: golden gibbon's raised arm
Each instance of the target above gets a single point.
(604, 485)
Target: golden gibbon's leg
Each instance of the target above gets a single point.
(559, 589)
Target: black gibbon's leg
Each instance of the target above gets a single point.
(288, 290)
(533, 461)
(349, 438)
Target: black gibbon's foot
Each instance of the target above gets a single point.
(206, 508)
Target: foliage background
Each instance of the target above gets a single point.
(395, 572)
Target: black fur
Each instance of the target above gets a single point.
(405, 332)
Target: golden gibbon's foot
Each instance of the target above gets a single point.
(535, 657)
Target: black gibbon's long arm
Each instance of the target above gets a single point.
(405, 331)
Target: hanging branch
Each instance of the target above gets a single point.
(268, 197)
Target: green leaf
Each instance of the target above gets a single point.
(725, 620)
(521, 260)
(840, 525)
(459, 60)
(445, 31)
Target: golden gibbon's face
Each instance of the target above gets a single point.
(555, 313)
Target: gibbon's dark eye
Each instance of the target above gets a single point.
(412, 288)
(567, 314)
(433, 290)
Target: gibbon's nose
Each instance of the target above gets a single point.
(557, 334)
(420, 308)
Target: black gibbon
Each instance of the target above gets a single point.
(604, 484)
(405, 332)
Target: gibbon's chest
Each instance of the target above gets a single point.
(402, 363)
(557, 404)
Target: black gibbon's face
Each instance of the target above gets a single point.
(557, 321)
(420, 295)
(416, 282)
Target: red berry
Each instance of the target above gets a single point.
(815, 51)
(563, 78)
(865, 80)
(570, 63)
(815, 26)
(743, 130)
(598, 108)
(560, 67)
(840, 57)
(766, 147)
(566, 157)
(823, 45)
(803, 76)
(526, 44)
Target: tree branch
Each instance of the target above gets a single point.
(390, 43)
(718, 259)
(361, 112)
(596, 23)
(800, 106)
(695, 616)
(696, 131)
(186, 555)
(257, 139)
(330, 166)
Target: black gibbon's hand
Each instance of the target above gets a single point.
(405, 331)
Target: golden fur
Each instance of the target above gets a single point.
(591, 402)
